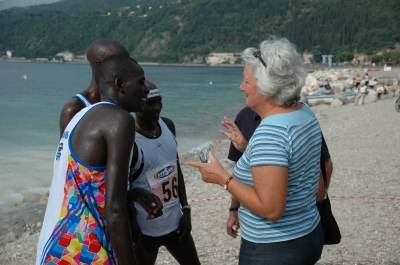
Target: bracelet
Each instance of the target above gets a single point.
(233, 209)
(186, 207)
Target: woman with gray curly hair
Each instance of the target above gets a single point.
(276, 178)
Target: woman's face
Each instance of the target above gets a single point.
(249, 89)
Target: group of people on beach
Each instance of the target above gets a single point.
(118, 191)
(362, 88)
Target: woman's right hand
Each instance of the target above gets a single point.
(212, 171)
(235, 135)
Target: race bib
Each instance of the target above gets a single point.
(164, 183)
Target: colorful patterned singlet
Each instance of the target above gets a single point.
(79, 235)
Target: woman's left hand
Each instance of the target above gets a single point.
(235, 135)
(212, 172)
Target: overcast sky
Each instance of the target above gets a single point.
(4, 4)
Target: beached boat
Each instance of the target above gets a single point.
(314, 97)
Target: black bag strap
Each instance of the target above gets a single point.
(322, 165)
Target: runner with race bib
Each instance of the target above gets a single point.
(158, 170)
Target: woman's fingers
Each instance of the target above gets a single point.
(227, 135)
(195, 164)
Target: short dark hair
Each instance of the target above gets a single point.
(113, 67)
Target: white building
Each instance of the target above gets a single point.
(68, 56)
(9, 54)
(221, 58)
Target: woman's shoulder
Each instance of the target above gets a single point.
(288, 119)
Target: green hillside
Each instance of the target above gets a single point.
(187, 30)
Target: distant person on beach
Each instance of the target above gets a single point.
(276, 178)
(86, 210)
(380, 90)
(96, 53)
(357, 81)
(398, 80)
(161, 174)
(366, 79)
(362, 92)
(240, 133)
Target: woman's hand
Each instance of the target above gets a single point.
(211, 172)
(235, 135)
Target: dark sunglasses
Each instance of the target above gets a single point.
(257, 54)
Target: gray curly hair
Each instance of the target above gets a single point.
(283, 74)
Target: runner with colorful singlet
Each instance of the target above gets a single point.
(68, 214)
(160, 173)
(86, 206)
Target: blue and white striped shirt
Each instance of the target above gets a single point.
(291, 140)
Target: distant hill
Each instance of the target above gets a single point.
(82, 6)
(186, 31)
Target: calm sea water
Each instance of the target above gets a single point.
(195, 98)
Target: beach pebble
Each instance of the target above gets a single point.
(336, 103)
(10, 237)
(44, 199)
(342, 98)
(25, 235)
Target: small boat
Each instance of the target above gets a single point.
(327, 97)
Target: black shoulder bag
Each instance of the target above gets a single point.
(330, 227)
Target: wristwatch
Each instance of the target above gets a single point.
(186, 207)
(227, 182)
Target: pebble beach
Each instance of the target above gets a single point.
(365, 195)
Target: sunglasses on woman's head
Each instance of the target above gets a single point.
(257, 54)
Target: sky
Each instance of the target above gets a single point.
(4, 4)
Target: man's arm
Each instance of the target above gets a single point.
(119, 144)
(185, 224)
(321, 187)
(72, 107)
(328, 168)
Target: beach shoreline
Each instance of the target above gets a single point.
(309, 67)
(363, 142)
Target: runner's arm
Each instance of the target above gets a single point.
(119, 143)
(72, 107)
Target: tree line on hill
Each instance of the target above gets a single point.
(186, 30)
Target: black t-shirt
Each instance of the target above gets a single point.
(248, 121)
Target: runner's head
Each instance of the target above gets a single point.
(121, 80)
(101, 49)
(153, 107)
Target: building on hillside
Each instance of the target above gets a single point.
(307, 57)
(383, 51)
(68, 56)
(41, 60)
(222, 58)
(81, 58)
(359, 58)
(9, 54)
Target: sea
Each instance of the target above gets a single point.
(195, 98)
